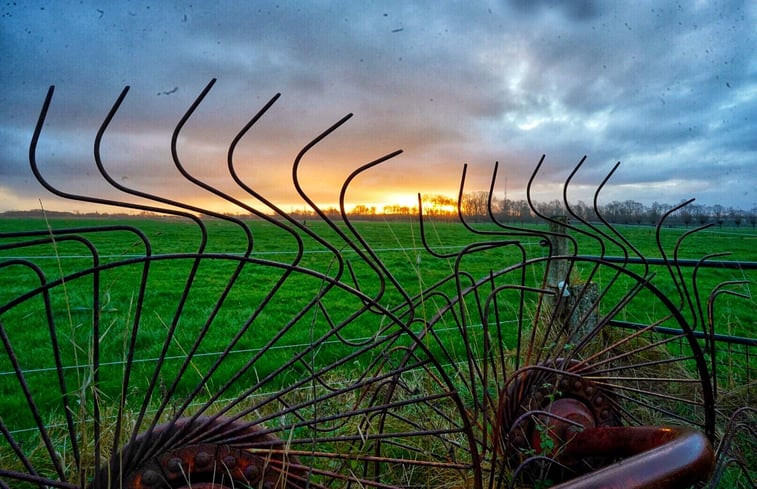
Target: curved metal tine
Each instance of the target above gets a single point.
(626, 244)
(309, 232)
(530, 201)
(474, 369)
(232, 280)
(696, 313)
(731, 427)
(175, 156)
(424, 240)
(384, 272)
(296, 182)
(188, 284)
(95, 200)
(140, 299)
(483, 245)
(710, 322)
(64, 391)
(27, 393)
(237, 179)
(663, 253)
(40, 178)
(517, 231)
(583, 221)
(695, 287)
(480, 232)
(235, 176)
(596, 264)
(83, 198)
(612, 228)
(545, 238)
(552, 319)
(460, 215)
(298, 187)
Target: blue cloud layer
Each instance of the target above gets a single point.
(668, 88)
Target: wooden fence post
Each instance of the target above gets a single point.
(581, 299)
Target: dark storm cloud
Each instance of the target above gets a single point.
(666, 87)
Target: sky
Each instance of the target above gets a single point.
(669, 89)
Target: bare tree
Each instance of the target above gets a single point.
(474, 204)
(718, 214)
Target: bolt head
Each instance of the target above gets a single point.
(230, 461)
(203, 459)
(150, 477)
(598, 401)
(252, 473)
(174, 465)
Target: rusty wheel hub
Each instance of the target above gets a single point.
(200, 454)
(541, 409)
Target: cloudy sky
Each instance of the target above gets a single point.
(669, 89)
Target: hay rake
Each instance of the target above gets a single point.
(509, 365)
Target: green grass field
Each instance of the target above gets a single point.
(265, 316)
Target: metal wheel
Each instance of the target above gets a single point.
(249, 367)
(557, 353)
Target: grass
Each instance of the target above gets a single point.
(283, 321)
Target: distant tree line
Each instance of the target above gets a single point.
(475, 206)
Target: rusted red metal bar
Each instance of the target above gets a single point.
(654, 457)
